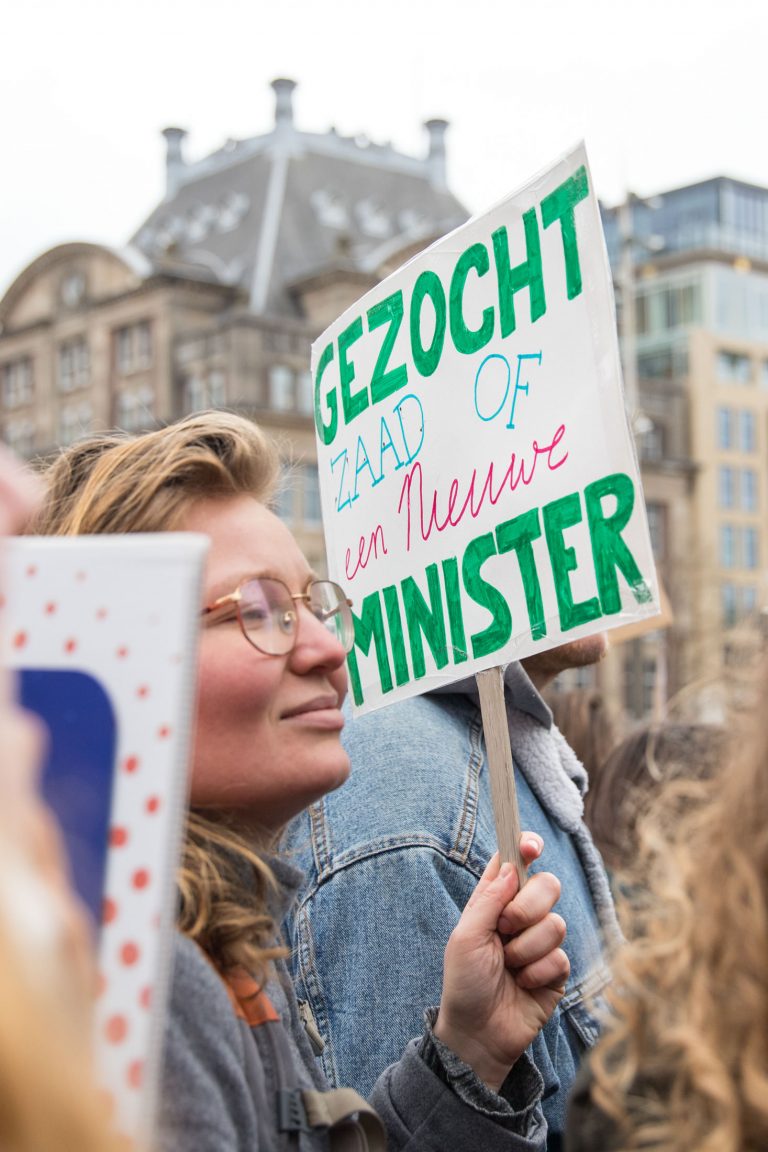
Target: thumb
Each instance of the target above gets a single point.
(490, 898)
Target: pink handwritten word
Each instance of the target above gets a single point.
(412, 491)
(366, 546)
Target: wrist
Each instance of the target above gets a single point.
(491, 1070)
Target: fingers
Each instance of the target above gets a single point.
(530, 905)
(535, 942)
(496, 888)
(531, 847)
(551, 971)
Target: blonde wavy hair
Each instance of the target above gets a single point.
(116, 483)
(683, 1066)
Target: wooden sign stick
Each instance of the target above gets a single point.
(490, 684)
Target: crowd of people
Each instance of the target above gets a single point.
(353, 965)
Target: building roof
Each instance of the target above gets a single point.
(267, 212)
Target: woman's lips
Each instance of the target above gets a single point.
(320, 710)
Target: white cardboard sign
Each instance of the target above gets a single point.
(103, 631)
(480, 490)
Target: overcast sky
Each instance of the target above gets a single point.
(664, 92)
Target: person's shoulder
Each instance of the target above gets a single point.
(196, 987)
(411, 726)
(414, 784)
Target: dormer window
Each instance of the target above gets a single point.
(330, 208)
(373, 219)
(72, 291)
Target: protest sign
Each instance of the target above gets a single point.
(103, 632)
(480, 491)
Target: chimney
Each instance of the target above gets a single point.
(436, 153)
(174, 159)
(283, 90)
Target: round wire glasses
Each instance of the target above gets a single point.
(268, 615)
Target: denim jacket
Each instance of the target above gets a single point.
(392, 857)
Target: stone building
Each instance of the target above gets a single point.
(216, 298)
(692, 266)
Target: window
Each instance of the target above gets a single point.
(305, 396)
(217, 395)
(74, 421)
(281, 388)
(660, 309)
(728, 537)
(193, 393)
(749, 600)
(751, 548)
(73, 365)
(663, 363)
(199, 392)
(133, 348)
(135, 409)
(747, 431)
(20, 436)
(657, 527)
(728, 603)
(312, 511)
(16, 382)
(733, 368)
(652, 442)
(285, 500)
(724, 428)
(727, 488)
(748, 490)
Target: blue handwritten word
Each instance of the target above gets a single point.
(409, 427)
(518, 386)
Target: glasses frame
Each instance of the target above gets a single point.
(222, 606)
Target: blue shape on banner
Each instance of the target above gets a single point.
(79, 768)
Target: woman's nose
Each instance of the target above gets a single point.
(315, 643)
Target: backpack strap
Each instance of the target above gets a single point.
(352, 1124)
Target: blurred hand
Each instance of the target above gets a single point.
(504, 969)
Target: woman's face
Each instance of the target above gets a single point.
(267, 736)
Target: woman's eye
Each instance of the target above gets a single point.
(255, 616)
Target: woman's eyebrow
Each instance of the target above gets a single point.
(231, 583)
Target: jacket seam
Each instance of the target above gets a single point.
(466, 831)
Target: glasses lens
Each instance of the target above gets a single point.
(268, 615)
(329, 604)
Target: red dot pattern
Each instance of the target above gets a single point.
(129, 953)
(140, 878)
(135, 1073)
(118, 836)
(116, 1029)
